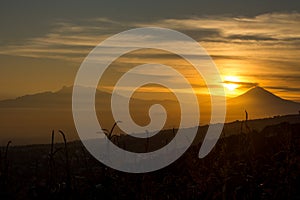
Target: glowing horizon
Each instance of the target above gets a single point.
(249, 48)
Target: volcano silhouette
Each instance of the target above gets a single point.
(29, 119)
(259, 103)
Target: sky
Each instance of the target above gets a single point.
(252, 42)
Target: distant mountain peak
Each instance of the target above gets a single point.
(258, 92)
(258, 89)
(260, 103)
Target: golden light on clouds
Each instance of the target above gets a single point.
(231, 84)
(263, 49)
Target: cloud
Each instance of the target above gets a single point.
(254, 37)
(242, 84)
(263, 44)
(275, 25)
(267, 45)
(284, 88)
(66, 40)
(69, 40)
(275, 76)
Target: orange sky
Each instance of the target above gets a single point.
(262, 49)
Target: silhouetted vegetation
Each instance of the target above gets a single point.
(248, 165)
(4, 167)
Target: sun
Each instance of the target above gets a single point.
(231, 82)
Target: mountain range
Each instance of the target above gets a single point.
(259, 103)
(30, 119)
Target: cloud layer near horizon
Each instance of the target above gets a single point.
(260, 47)
(67, 39)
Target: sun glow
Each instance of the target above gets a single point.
(231, 83)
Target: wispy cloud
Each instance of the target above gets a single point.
(271, 26)
(66, 41)
(222, 36)
(242, 84)
(241, 45)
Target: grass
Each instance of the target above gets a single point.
(4, 173)
(251, 165)
(52, 183)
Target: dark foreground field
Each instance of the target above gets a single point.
(249, 165)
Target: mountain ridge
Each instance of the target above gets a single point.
(260, 102)
(34, 116)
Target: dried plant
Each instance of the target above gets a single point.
(67, 165)
(51, 182)
(51, 162)
(5, 167)
(6, 154)
(109, 134)
(246, 122)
